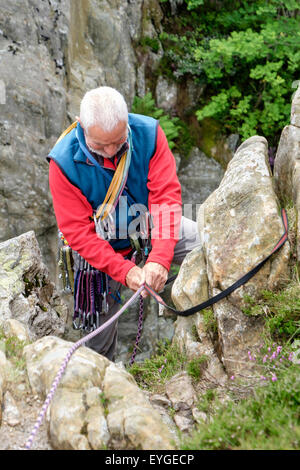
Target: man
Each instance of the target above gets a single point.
(82, 166)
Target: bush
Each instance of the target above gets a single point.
(248, 55)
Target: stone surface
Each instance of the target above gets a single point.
(180, 391)
(295, 109)
(15, 328)
(246, 207)
(287, 169)
(32, 43)
(97, 404)
(130, 414)
(199, 178)
(166, 94)
(11, 414)
(184, 424)
(191, 285)
(27, 294)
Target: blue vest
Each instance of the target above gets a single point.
(94, 182)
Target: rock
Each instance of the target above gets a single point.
(166, 94)
(97, 404)
(32, 46)
(180, 391)
(15, 328)
(3, 379)
(295, 109)
(184, 424)
(130, 414)
(246, 208)
(198, 179)
(160, 400)
(191, 285)
(199, 416)
(27, 294)
(287, 171)
(11, 414)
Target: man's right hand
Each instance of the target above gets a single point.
(135, 278)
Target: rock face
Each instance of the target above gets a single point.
(287, 164)
(27, 294)
(245, 207)
(97, 404)
(32, 43)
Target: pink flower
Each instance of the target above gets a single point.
(232, 377)
(263, 377)
(265, 358)
(274, 378)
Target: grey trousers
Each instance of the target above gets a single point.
(105, 342)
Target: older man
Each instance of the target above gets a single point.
(106, 142)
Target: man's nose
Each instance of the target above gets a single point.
(110, 149)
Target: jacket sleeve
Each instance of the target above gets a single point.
(164, 201)
(72, 211)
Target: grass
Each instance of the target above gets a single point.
(268, 419)
(153, 373)
(13, 349)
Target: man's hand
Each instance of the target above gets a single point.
(135, 278)
(155, 275)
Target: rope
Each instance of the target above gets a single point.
(140, 325)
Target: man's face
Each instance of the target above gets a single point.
(106, 144)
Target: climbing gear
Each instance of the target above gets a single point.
(190, 311)
(65, 263)
(91, 291)
(139, 332)
(141, 240)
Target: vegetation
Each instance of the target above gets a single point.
(176, 131)
(269, 419)
(13, 348)
(247, 54)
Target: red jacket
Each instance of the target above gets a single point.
(73, 211)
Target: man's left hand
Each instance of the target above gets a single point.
(155, 275)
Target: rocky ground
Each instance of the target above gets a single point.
(20, 411)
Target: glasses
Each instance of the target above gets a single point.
(97, 146)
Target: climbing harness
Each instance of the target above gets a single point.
(158, 299)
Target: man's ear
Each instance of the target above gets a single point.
(78, 119)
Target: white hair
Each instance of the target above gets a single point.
(104, 107)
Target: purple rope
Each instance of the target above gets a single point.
(138, 336)
(66, 360)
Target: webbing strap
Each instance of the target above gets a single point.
(230, 289)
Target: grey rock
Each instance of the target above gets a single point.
(184, 424)
(160, 400)
(27, 293)
(11, 414)
(295, 109)
(122, 417)
(180, 391)
(166, 94)
(199, 178)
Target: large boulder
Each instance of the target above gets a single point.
(27, 294)
(97, 404)
(239, 224)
